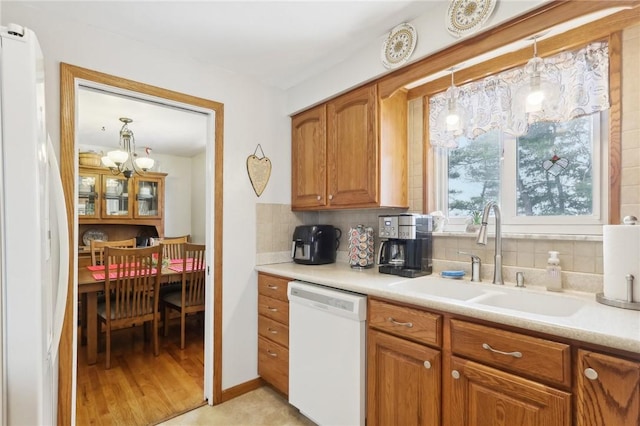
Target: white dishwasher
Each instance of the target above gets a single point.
(327, 354)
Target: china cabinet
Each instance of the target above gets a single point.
(351, 152)
(104, 198)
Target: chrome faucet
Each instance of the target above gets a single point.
(482, 239)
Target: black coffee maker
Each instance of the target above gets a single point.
(406, 246)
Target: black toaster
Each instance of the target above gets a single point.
(315, 244)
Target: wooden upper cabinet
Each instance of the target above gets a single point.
(309, 158)
(352, 139)
(607, 390)
(351, 153)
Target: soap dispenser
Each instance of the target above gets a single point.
(554, 272)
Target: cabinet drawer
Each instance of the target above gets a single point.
(273, 364)
(271, 286)
(531, 356)
(273, 308)
(407, 322)
(273, 330)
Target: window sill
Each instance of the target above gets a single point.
(522, 236)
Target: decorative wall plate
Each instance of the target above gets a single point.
(93, 234)
(467, 16)
(399, 45)
(259, 169)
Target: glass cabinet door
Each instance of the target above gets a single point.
(148, 198)
(88, 195)
(116, 197)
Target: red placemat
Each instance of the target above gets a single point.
(113, 275)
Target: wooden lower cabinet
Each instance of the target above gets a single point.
(403, 381)
(479, 395)
(273, 331)
(607, 390)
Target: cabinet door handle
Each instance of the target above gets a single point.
(273, 354)
(272, 331)
(318, 198)
(272, 287)
(331, 196)
(514, 354)
(406, 324)
(272, 309)
(590, 373)
(455, 374)
(427, 365)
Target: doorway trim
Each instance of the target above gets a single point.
(68, 75)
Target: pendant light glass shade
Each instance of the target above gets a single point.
(144, 163)
(118, 157)
(452, 118)
(540, 93)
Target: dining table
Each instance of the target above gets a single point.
(91, 282)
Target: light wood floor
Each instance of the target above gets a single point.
(141, 389)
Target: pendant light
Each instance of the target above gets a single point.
(123, 160)
(452, 118)
(539, 93)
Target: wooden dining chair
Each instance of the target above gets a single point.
(96, 247)
(190, 298)
(133, 285)
(172, 247)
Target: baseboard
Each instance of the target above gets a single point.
(241, 389)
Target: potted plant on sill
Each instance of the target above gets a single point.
(474, 221)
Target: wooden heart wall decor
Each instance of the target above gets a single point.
(259, 169)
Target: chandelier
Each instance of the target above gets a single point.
(125, 160)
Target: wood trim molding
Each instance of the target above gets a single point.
(242, 388)
(68, 75)
(545, 17)
(573, 39)
(615, 126)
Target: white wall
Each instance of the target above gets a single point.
(253, 114)
(366, 64)
(198, 199)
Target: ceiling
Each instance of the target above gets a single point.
(280, 43)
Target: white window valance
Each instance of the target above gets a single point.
(581, 78)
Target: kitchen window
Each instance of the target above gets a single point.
(547, 170)
(569, 197)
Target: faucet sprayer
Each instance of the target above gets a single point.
(482, 239)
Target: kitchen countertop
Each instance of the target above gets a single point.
(593, 323)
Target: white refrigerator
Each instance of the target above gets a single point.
(34, 255)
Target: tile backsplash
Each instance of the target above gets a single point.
(580, 257)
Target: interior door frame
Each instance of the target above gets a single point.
(69, 74)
